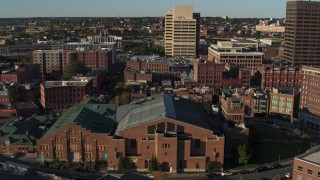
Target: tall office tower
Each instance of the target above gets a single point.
(302, 37)
(182, 32)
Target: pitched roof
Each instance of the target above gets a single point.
(157, 107)
(98, 118)
(16, 131)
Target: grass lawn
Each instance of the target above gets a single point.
(269, 152)
(261, 133)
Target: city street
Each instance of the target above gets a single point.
(252, 176)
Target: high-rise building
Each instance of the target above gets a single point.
(302, 40)
(182, 32)
(310, 97)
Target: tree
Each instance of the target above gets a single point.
(14, 94)
(73, 68)
(153, 164)
(256, 79)
(122, 164)
(244, 154)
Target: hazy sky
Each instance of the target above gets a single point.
(136, 8)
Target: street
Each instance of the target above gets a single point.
(252, 176)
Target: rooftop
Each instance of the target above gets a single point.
(312, 155)
(98, 118)
(82, 81)
(15, 131)
(155, 108)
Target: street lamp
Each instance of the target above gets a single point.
(279, 157)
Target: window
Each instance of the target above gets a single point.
(300, 168)
(161, 127)
(133, 143)
(180, 129)
(319, 174)
(170, 127)
(146, 163)
(151, 129)
(310, 171)
(299, 177)
(197, 143)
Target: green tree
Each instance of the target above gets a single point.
(122, 163)
(73, 68)
(244, 154)
(153, 164)
(256, 79)
(14, 94)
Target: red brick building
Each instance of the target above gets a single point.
(307, 165)
(22, 74)
(208, 73)
(275, 76)
(175, 131)
(58, 95)
(232, 107)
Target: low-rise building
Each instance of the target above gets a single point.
(232, 106)
(285, 101)
(21, 73)
(307, 165)
(59, 95)
(208, 73)
(19, 136)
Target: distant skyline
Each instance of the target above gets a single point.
(140, 8)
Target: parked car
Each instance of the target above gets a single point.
(226, 173)
(275, 126)
(276, 166)
(212, 174)
(244, 172)
(288, 175)
(261, 169)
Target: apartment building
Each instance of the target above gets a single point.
(182, 32)
(50, 60)
(301, 38)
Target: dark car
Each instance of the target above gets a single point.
(212, 174)
(261, 169)
(244, 172)
(276, 166)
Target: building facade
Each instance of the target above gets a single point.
(182, 32)
(232, 107)
(50, 60)
(236, 53)
(307, 165)
(59, 95)
(21, 74)
(275, 76)
(309, 98)
(208, 73)
(301, 36)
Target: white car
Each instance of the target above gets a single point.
(275, 126)
(288, 175)
(226, 173)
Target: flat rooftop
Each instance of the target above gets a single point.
(312, 155)
(75, 82)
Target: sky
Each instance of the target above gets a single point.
(140, 8)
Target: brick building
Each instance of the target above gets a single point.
(208, 73)
(82, 134)
(95, 59)
(58, 95)
(50, 61)
(175, 131)
(275, 76)
(285, 101)
(232, 106)
(307, 165)
(161, 126)
(309, 114)
(20, 136)
(21, 74)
